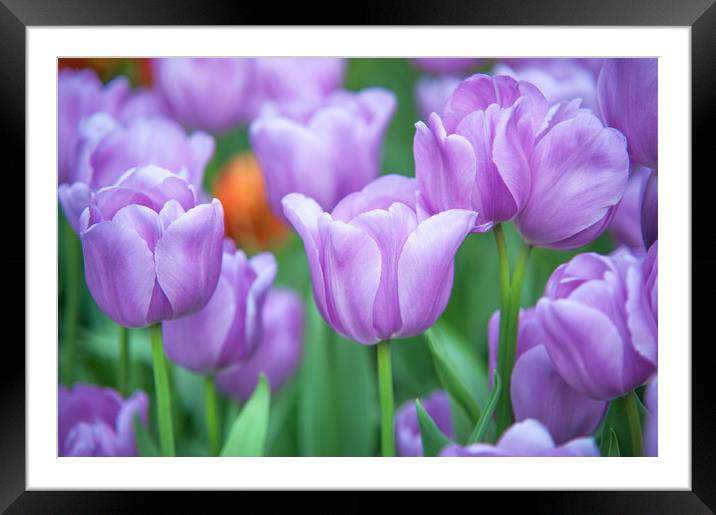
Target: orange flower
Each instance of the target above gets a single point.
(247, 216)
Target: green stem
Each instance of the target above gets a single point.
(212, 415)
(385, 387)
(504, 412)
(123, 367)
(632, 413)
(503, 405)
(73, 273)
(161, 386)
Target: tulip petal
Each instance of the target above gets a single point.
(445, 167)
(303, 213)
(378, 194)
(390, 229)
(74, 199)
(141, 220)
(213, 323)
(579, 171)
(585, 347)
(540, 393)
(202, 147)
(352, 268)
(188, 257)
(425, 268)
(293, 160)
(119, 269)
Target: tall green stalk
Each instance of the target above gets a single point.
(123, 362)
(385, 388)
(503, 403)
(161, 386)
(73, 276)
(212, 415)
(504, 408)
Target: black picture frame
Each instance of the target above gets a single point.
(700, 15)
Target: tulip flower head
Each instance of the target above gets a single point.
(307, 152)
(227, 330)
(497, 150)
(598, 324)
(380, 269)
(407, 428)
(278, 353)
(95, 421)
(151, 252)
(523, 439)
(80, 94)
(107, 148)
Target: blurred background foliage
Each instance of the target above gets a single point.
(330, 408)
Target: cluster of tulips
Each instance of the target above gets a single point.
(542, 153)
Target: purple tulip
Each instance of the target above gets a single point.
(628, 99)
(446, 64)
(325, 152)
(205, 93)
(497, 151)
(95, 421)
(557, 79)
(536, 388)
(150, 252)
(407, 428)
(476, 156)
(626, 224)
(650, 211)
(292, 80)
(527, 438)
(431, 93)
(278, 353)
(380, 269)
(598, 325)
(107, 148)
(651, 431)
(80, 94)
(228, 329)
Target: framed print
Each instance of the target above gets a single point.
(281, 264)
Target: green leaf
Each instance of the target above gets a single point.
(317, 422)
(145, 444)
(432, 437)
(478, 434)
(617, 420)
(248, 434)
(459, 368)
(613, 448)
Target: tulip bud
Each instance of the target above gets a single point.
(95, 421)
(228, 329)
(150, 252)
(279, 352)
(380, 270)
(527, 438)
